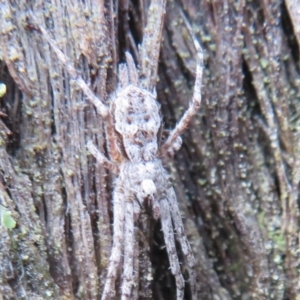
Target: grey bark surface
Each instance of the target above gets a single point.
(236, 176)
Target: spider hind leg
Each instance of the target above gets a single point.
(168, 232)
(117, 247)
(128, 277)
(182, 239)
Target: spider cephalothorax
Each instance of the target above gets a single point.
(136, 115)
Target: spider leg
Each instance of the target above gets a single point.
(150, 48)
(194, 106)
(132, 71)
(167, 228)
(101, 159)
(116, 251)
(170, 152)
(128, 277)
(181, 237)
(123, 75)
(101, 108)
(136, 265)
(128, 73)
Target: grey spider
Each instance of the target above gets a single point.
(133, 125)
(141, 176)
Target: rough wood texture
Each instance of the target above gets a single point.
(236, 176)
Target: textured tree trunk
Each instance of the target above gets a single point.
(236, 176)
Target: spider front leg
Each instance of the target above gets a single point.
(192, 110)
(101, 108)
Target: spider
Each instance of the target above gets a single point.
(134, 124)
(142, 179)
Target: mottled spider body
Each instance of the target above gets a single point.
(142, 181)
(133, 125)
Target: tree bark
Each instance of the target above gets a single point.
(236, 176)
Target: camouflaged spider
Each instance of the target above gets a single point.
(133, 122)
